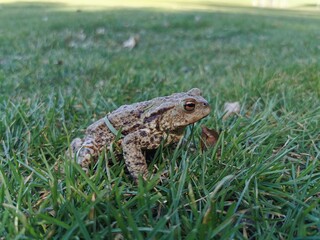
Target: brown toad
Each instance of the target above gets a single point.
(142, 126)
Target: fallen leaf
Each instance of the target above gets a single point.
(100, 31)
(131, 42)
(81, 36)
(230, 109)
(209, 138)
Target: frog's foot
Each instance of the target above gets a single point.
(145, 177)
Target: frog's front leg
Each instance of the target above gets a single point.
(133, 144)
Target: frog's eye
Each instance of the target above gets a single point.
(189, 106)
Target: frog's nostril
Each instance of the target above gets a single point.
(205, 104)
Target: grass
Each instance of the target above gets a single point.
(59, 73)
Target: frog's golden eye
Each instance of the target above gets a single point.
(189, 106)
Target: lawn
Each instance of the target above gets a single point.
(64, 66)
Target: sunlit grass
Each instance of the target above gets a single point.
(177, 5)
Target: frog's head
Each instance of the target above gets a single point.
(179, 110)
(191, 108)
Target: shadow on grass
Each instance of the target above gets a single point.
(48, 45)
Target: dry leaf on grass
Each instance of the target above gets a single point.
(81, 36)
(100, 31)
(131, 42)
(230, 109)
(209, 138)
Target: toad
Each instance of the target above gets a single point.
(139, 127)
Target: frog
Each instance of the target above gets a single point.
(140, 127)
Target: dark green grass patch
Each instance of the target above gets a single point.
(62, 70)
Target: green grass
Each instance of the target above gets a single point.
(58, 74)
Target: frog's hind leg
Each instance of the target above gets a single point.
(75, 145)
(80, 151)
(87, 153)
